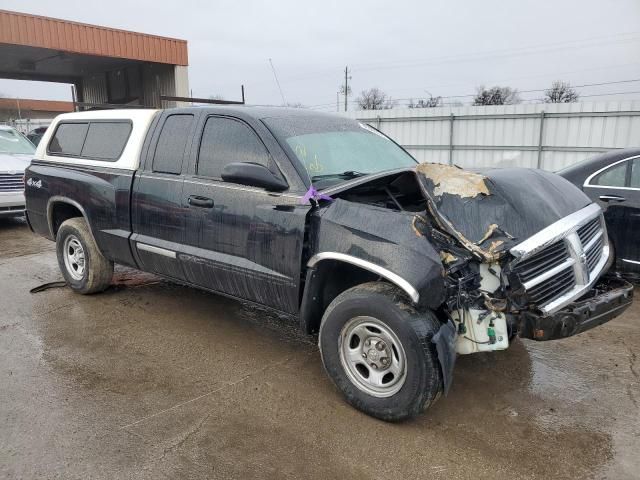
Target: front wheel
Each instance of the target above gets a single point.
(377, 350)
(84, 268)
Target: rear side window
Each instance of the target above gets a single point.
(226, 141)
(106, 140)
(92, 140)
(613, 177)
(68, 139)
(635, 174)
(171, 144)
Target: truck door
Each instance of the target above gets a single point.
(158, 215)
(630, 256)
(617, 190)
(243, 241)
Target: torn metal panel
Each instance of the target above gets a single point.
(445, 342)
(489, 211)
(386, 238)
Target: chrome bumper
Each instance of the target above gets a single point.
(12, 203)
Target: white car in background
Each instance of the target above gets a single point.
(15, 155)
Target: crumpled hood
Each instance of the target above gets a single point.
(14, 162)
(489, 211)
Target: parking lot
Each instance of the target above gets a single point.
(156, 380)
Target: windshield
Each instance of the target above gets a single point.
(334, 149)
(12, 142)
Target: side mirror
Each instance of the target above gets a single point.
(253, 175)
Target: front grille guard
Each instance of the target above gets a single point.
(579, 254)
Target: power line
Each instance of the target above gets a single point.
(475, 55)
(616, 82)
(525, 77)
(504, 53)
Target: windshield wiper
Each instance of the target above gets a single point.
(349, 174)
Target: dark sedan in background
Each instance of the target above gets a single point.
(613, 181)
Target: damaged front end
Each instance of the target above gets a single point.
(521, 251)
(538, 248)
(496, 254)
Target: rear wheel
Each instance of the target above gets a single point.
(84, 268)
(377, 350)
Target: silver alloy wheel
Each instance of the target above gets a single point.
(372, 356)
(74, 259)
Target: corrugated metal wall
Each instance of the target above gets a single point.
(549, 136)
(157, 79)
(94, 88)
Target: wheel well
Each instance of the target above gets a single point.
(327, 280)
(60, 212)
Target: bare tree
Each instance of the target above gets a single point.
(341, 90)
(374, 99)
(430, 102)
(10, 112)
(496, 96)
(560, 92)
(216, 97)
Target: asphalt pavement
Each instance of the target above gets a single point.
(155, 380)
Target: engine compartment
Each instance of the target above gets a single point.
(399, 192)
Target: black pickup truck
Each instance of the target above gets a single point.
(398, 266)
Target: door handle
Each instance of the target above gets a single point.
(197, 201)
(612, 198)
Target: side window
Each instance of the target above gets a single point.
(106, 140)
(68, 139)
(613, 177)
(635, 174)
(226, 141)
(171, 144)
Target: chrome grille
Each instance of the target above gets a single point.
(588, 231)
(594, 253)
(559, 264)
(557, 285)
(546, 259)
(10, 182)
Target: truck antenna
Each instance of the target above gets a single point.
(284, 102)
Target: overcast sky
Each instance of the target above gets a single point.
(403, 47)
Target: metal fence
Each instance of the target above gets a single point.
(548, 136)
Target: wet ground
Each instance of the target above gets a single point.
(153, 380)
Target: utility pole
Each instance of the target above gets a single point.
(346, 86)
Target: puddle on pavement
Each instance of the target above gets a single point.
(535, 410)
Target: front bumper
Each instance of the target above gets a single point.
(12, 204)
(609, 297)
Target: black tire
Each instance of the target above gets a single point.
(97, 272)
(388, 305)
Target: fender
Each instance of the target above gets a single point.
(372, 267)
(330, 273)
(61, 199)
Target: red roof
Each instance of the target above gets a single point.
(44, 32)
(36, 105)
